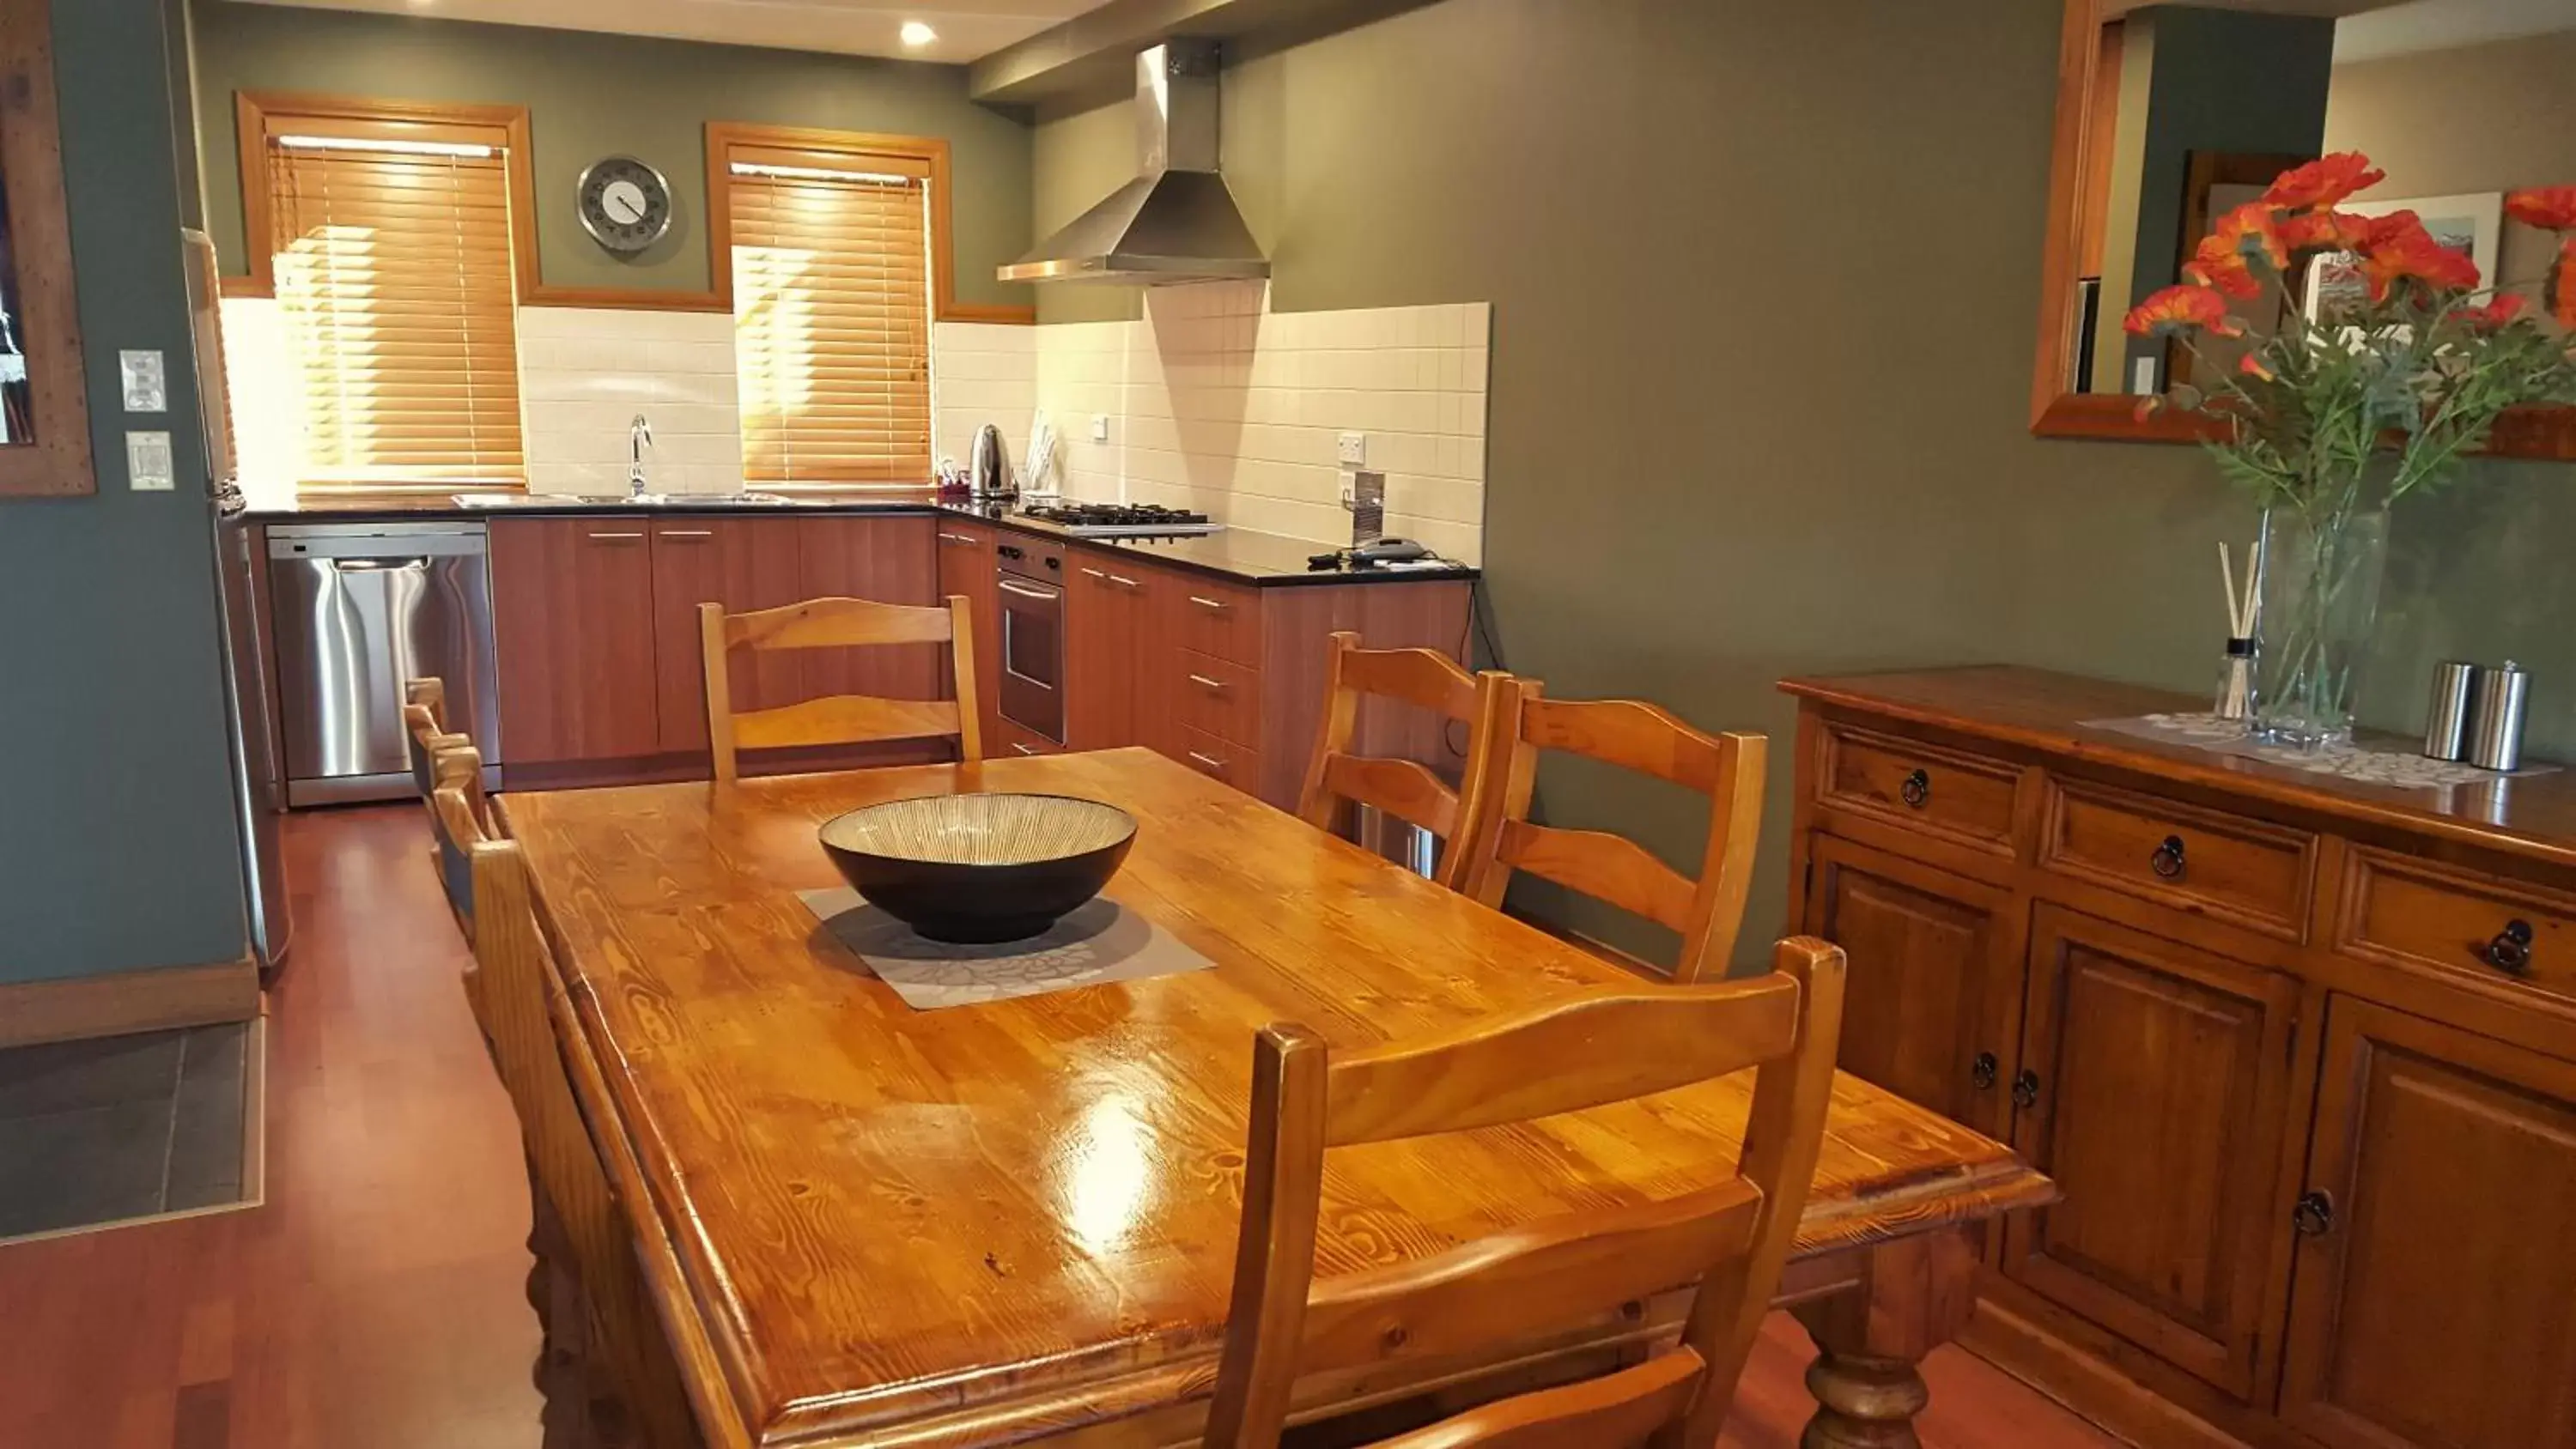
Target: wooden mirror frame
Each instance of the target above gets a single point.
(57, 463)
(2531, 432)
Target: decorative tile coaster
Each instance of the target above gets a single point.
(2400, 769)
(1098, 944)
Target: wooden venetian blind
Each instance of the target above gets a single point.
(831, 275)
(394, 277)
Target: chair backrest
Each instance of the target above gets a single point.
(1727, 768)
(840, 719)
(1405, 789)
(1609, 1046)
(459, 817)
(518, 979)
(425, 733)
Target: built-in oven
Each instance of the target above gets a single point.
(1031, 579)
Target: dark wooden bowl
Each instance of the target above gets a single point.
(977, 869)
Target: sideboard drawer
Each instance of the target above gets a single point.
(1218, 619)
(2496, 930)
(2242, 871)
(1944, 791)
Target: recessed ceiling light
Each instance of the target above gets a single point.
(916, 34)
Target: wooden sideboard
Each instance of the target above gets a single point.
(2300, 1053)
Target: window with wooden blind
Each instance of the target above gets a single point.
(832, 303)
(393, 264)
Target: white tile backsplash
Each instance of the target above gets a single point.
(586, 372)
(1219, 404)
(982, 372)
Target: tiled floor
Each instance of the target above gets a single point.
(121, 1127)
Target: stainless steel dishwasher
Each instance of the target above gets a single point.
(359, 608)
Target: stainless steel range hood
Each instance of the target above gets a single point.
(1176, 222)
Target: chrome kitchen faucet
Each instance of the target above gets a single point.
(638, 438)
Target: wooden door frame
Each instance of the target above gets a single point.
(39, 245)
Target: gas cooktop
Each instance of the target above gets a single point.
(1121, 520)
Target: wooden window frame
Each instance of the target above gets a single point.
(56, 464)
(2523, 432)
(857, 148)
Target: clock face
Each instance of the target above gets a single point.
(625, 204)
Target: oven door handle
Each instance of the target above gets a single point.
(1046, 596)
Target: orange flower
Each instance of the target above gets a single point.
(2251, 231)
(2399, 247)
(2179, 309)
(2252, 366)
(2310, 231)
(2324, 181)
(2218, 265)
(2550, 208)
(2495, 314)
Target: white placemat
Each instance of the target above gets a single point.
(1099, 943)
(2400, 768)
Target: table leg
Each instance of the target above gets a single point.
(1914, 1295)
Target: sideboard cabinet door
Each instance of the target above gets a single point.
(2155, 1088)
(2431, 1305)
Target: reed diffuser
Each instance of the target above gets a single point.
(2235, 694)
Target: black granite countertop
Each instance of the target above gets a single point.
(1265, 560)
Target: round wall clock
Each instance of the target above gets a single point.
(625, 204)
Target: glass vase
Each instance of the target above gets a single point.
(2319, 598)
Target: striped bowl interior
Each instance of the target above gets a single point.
(980, 829)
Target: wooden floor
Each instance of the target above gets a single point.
(376, 1301)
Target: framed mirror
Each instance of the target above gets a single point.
(2168, 115)
(44, 413)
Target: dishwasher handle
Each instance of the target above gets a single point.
(379, 565)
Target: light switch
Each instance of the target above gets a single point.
(1352, 449)
(1100, 427)
(147, 386)
(147, 462)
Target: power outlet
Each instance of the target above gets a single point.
(1352, 450)
(147, 462)
(1100, 427)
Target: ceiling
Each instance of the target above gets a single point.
(968, 29)
(2374, 29)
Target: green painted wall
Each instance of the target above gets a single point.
(118, 848)
(590, 96)
(1764, 278)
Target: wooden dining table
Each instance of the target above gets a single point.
(1014, 1222)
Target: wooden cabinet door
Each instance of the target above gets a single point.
(572, 614)
(2434, 1301)
(1100, 654)
(890, 560)
(1935, 978)
(2154, 1087)
(743, 564)
(966, 568)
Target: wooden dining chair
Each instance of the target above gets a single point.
(1608, 1046)
(1337, 779)
(459, 816)
(1726, 768)
(596, 1307)
(425, 732)
(841, 719)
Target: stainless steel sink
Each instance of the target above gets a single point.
(622, 500)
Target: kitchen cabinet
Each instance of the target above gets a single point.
(888, 560)
(573, 623)
(966, 570)
(743, 564)
(1114, 654)
(2432, 1307)
(2299, 1054)
(1934, 979)
(2153, 1086)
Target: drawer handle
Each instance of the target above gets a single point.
(617, 537)
(1210, 685)
(2026, 1089)
(2314, 1214)
(1217, 604)
(1917, 789)
(1023, 749)
(2510, 951)
(1096, 573)
(1124, 582)
(1214, 767)
(690, 533)
(964, 540)
(2167, 861)
(1985, 1070)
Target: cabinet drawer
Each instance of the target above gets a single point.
(1943, 791)
(2492, 929)
(1219, 759)
(1214, 618)
(1012, 740)
(1218, 698)
(2245, 872)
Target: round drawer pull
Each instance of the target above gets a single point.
(1984, 1070)
(2313, 1215)
(2025, 1092)
(1917, 789)
(2168, 860)
(2510, 951)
